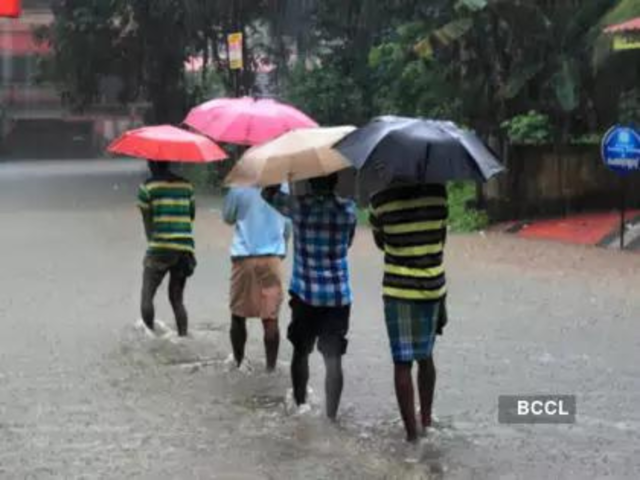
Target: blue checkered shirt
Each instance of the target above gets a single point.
(323, 228)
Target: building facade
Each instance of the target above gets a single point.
(34, 122)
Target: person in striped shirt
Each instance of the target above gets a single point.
(410, 226)
(167, 204)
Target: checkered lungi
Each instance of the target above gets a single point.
(412, 328)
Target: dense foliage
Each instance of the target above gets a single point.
(484, 63)
(142, 47)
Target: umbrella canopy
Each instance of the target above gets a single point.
(628, 26)
(297, 155)
(397, 148)
(167, 143)
(246, 121)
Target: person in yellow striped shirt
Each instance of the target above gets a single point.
(168, 209)
(410, 226)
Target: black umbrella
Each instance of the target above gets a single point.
(425, 151)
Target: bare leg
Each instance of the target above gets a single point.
(238, 338)
(271, 342)
(300, 375)
(426, 388)
(334, 383)
(405, 396)
(177, 284)
(151, 281)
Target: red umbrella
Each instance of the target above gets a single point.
(167, 143)
(246, 121)
(10, 8)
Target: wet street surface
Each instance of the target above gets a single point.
(84, 394)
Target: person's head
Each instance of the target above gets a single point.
(324, 185)
(158, 168)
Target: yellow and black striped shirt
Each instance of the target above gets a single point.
(410, 226)
(171, 204)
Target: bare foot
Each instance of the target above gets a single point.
(427, 422)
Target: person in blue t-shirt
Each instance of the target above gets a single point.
(258, 248)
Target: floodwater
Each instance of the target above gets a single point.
(86, 394)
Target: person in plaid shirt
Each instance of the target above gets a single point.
(324, 227)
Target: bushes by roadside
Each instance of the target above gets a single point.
(464, 217)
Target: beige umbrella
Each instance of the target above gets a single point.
(296, 155)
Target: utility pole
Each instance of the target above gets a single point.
(236, 43)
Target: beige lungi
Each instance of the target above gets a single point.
(256, 287)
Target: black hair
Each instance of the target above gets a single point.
(158, 168)
(326, 184)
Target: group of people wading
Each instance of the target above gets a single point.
(409, 224)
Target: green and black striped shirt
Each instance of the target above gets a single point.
(410, 226)
(171, 205)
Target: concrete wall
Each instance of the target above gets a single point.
(545, 181)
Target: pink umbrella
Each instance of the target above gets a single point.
(246, 121)
(167, 144)
(629, 26)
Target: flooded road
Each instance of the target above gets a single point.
(85, 395)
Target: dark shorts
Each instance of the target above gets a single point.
(328, 326)
(176, 263)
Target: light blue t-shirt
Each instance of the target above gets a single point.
(259, 229)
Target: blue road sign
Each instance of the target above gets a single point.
(621, 150)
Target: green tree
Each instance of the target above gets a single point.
(144, 46)
(94, 40)
(507, 57)
(325, 93)
(531, 128)
(406, 84)
(332, 40)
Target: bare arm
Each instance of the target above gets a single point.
(288, 230)
(443, 317)
(352, 235)
(147, 221)
(230, 209)
(282, 202)
(144, 204)
(376, 229)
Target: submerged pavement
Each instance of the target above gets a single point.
(86, 395)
